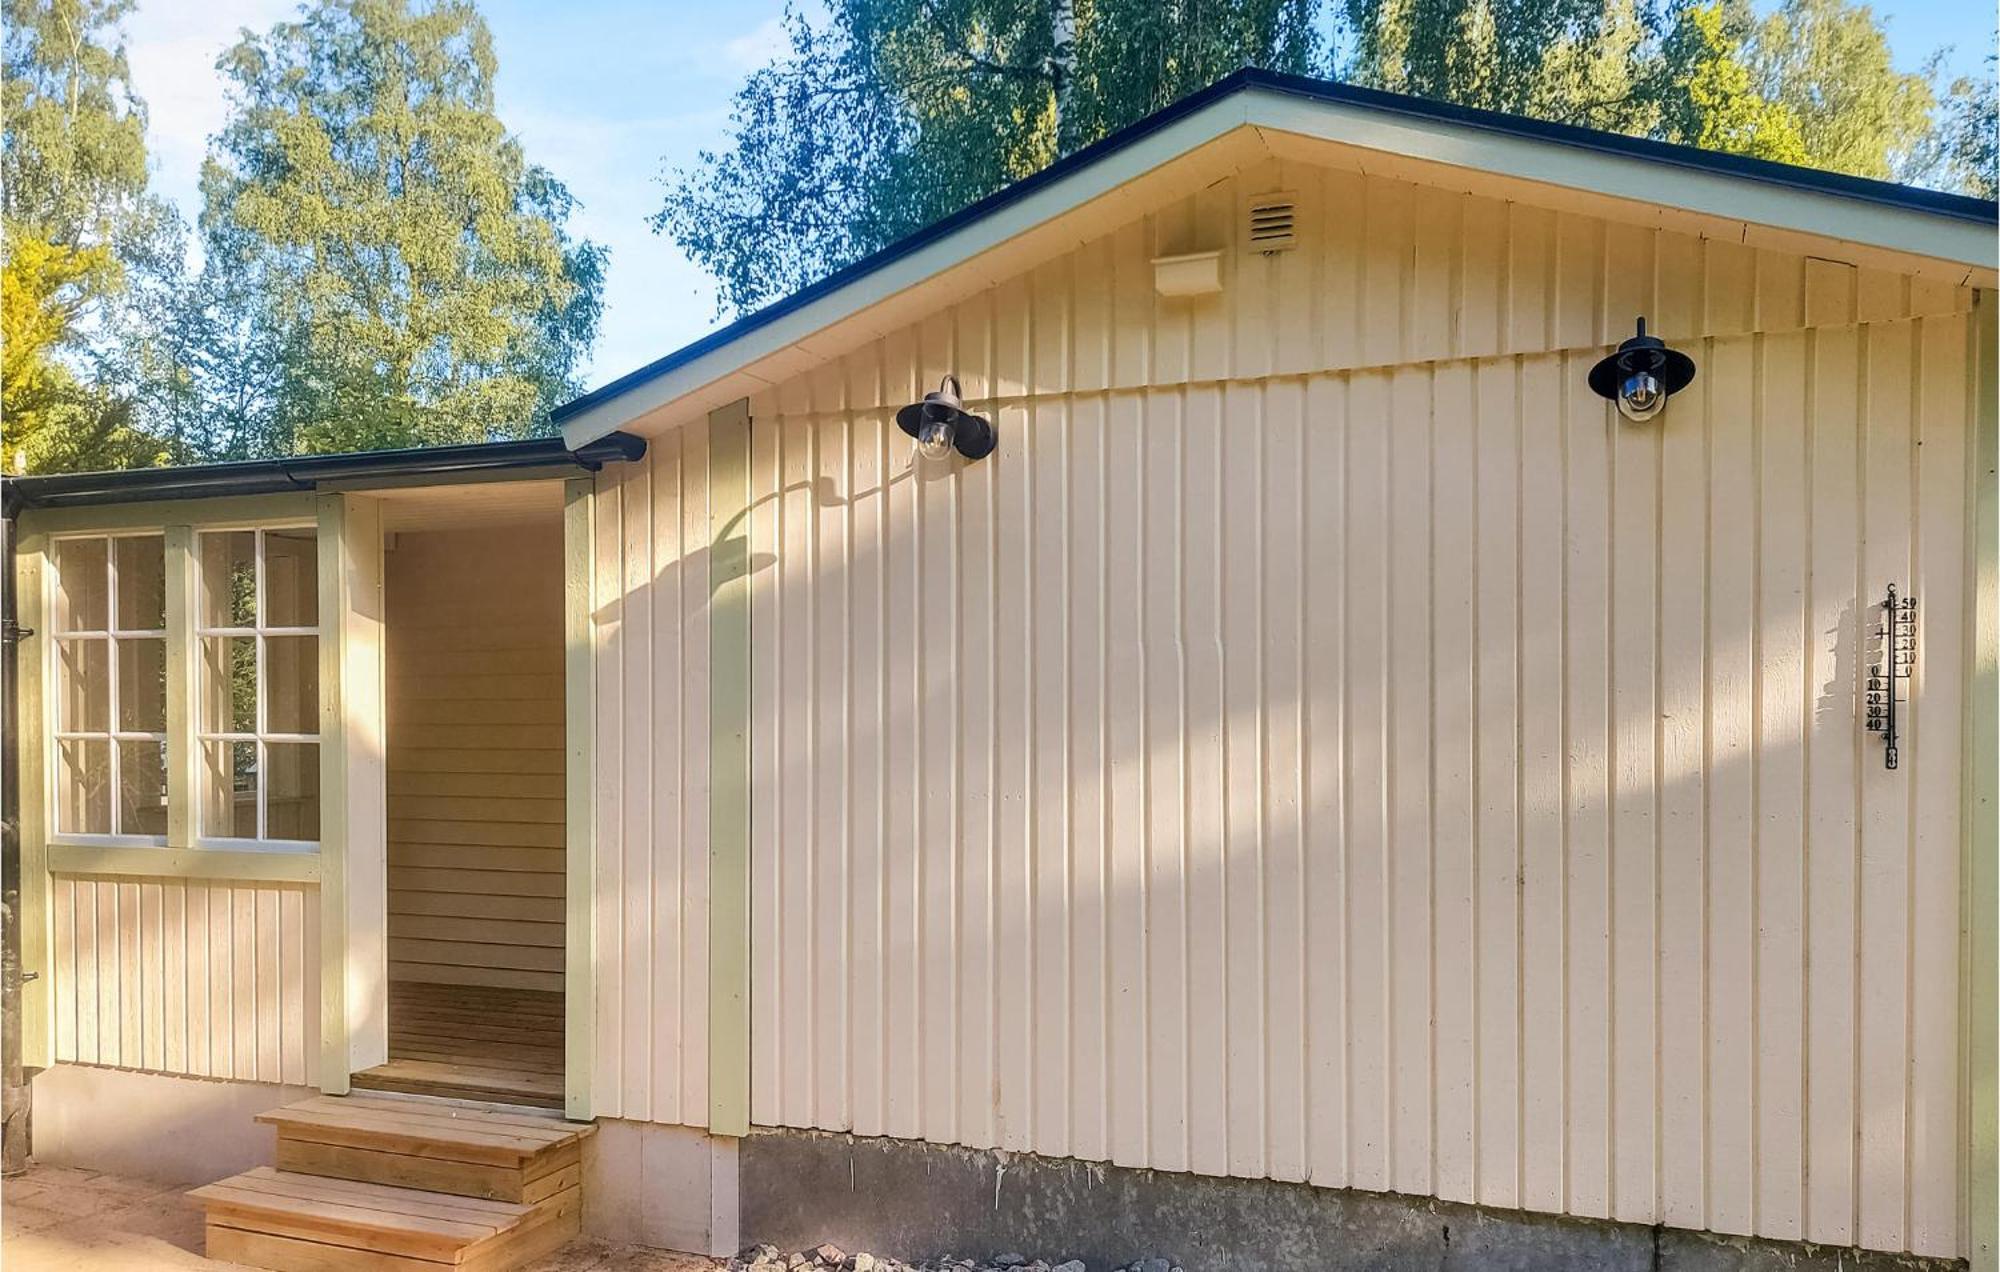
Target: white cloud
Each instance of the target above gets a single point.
(759, 45)
(605, 118)
(173, 49)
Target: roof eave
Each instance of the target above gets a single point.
(1669, 176)
(356, 470)
(792, 320)
(1871, 214)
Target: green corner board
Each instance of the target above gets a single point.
(729, 772)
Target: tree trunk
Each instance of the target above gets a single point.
(1062, 69)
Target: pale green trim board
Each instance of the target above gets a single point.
(247, 510)
(184, 863)
(1980, 785)
(334, 1067)
(580, 860)
(32, 721)
(729, 771)
(354, 968)
(183, 756)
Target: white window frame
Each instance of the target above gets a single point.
(111, 735)
(202, 736)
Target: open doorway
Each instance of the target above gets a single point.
(473, 583)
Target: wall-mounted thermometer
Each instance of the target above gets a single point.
(1885, 678)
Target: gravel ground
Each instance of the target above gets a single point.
(829, 1258)
(55, 1219)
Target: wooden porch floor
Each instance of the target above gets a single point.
(472, 1042)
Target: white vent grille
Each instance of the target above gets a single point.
(1271, 223)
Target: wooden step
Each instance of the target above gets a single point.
(467, 1152)
(305, 1223)
(461, 1081)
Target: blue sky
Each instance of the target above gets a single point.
(610, 94)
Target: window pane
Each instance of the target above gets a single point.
(142, 685)
(291, 578)
(80, 585)
(293, 782)
(291, 674)
(83, 787)
(142, 583)
(84, 672)
(229, 578)
(229, 684)
(142, 781)
(229, 790)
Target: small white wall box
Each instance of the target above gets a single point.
(1190, 274)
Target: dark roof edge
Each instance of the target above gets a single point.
(1816, 180)
(306, 472)
(1909, 198)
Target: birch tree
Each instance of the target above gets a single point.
(890, 114)
(894, 113)
(383, 241)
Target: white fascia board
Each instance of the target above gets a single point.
(1633, 177)
(1080, 187)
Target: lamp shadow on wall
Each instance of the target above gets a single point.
(732, 557)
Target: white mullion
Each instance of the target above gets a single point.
(111, 585)
(263, 721)
(116, 813)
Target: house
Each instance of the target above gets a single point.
(1328, 789)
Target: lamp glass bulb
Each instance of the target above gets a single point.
(1641, 396)
(934, 441)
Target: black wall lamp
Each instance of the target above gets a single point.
(1642, 375)
(941, 424)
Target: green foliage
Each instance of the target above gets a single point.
(74, 160)
(891, 114)
(73, 208)
(381, 267)
(1574, 61)
(1714, 100)
(1964, 148)
(1827, 64)
(382, 260)
(898, 112)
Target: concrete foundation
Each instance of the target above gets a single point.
(154, 1126)
(673, 1187)
(913, 1200)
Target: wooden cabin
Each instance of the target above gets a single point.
(1328, 781)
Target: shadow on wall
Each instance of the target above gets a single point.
(1221, 779)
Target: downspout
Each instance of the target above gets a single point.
(16, 1097)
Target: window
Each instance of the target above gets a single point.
(231, 659)
(257, 723)
(110, 622)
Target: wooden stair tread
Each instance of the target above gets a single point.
(535, 1125)
(435, 1077)
(408, 1127)
(375, 1217)
(282, 1219)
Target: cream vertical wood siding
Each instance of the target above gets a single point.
(650, 903)
(475, 772)
(206, 978)
(1325, 743)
